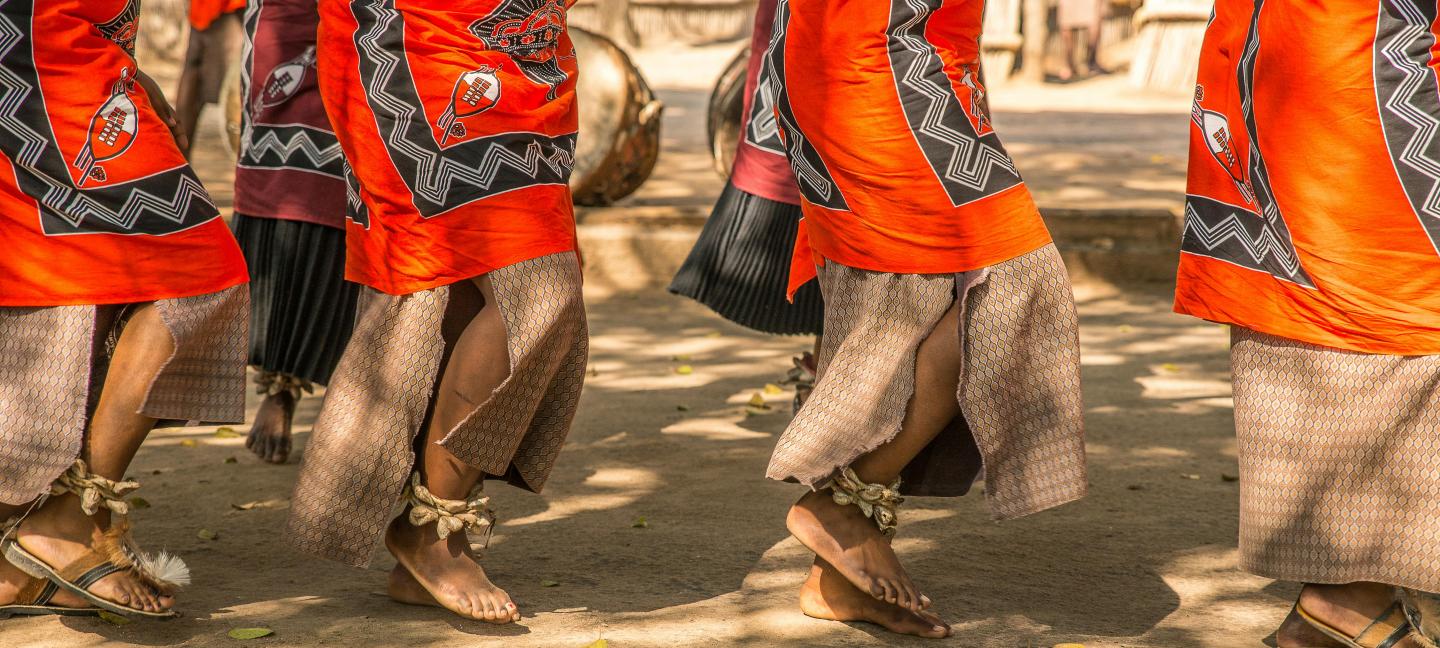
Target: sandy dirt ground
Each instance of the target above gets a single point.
(1148, 559)
(658, 528)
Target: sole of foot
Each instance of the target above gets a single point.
(829, 596)
(446, 573)
(847, 540)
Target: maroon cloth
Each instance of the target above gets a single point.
(761, 168)
(290, 166)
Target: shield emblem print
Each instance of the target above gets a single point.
(112, 130)
(284, 80)
(1216, 129)
(475, 92)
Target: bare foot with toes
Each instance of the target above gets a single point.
(829, 595)
(446, 573)
(843, 537)
(59, 533)
(269, 437)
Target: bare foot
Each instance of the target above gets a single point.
(270, 435)
(59, 533)
(446, 570)
(843, 537)
(1348, 608)
(12, 580)
(828, 595)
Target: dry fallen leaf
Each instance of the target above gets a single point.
(756, 400)
(684, 370)
(549, 583)
(1126, 328)
(712, 334)
(682, 408)
(207, 534)
(189, 443)
(115, 619)
(1073, 645)
(1190, 476)
(250, 633)
(259, 504)
(139, 503)
(599, 643)
(227, 433)
(773, 389)
(640, 523)
(1170, 367)
(230, 460)
(1228, 477)
(684, 357)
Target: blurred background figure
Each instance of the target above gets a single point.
(216, 35)
(1075, 17)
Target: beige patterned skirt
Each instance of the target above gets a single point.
(53, 362)
(1339, 463)
(362, 451)
(1019, 389)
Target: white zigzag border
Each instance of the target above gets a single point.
(66, 201)
(971, 161)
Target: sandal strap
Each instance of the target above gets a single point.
(449, 515)
(85, 580)
(1386, 630)
(37, 591)
(270, 383)
(877, 501)
(94, 491)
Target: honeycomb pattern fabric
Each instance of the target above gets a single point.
(44, 374)
(204, 380)
(48, 357)
(361, 450)
(1339, 462)
(1019, 389)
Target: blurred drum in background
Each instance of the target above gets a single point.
(619, 123)
(727, 105)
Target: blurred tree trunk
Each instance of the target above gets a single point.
(1035, 34)
(615, 22)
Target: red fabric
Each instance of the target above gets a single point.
(461, 143)
(290, 165)
(760, 167)
(882, 101)
(97, 205)
(1309, 212)
(204, 12)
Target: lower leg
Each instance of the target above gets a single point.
(1067, 48)
(1092, 48)
(188, 104)
(59, 531)
(478, 363)
(841, 534)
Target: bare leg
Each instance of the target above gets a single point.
(269, 437)
(1092, 49)
(446, 568)
(827, 595)
(1067, 47)
(59, 532)
(188, 105)
(842, 535)
(1349, 608)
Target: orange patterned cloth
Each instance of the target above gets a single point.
(97, 205)
(1314, 188)
(458, 121)
(885, 123)
(204, 12)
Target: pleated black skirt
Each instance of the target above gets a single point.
(301, 308)
(741, 264)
